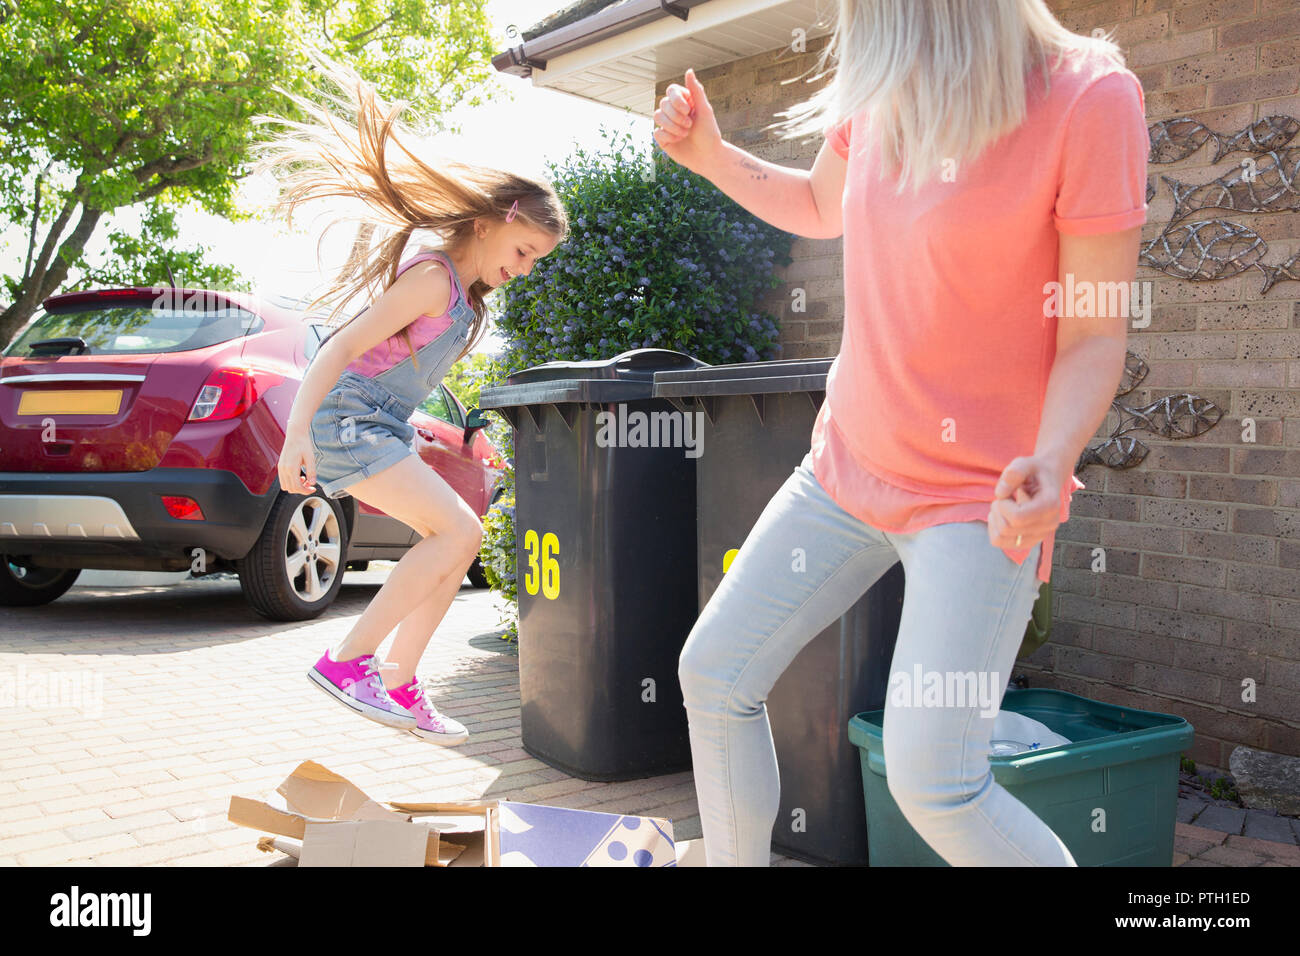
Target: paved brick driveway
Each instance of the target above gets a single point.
(161, 702)
(186, 697)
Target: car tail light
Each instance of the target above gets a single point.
(230, 392)
(181, 506)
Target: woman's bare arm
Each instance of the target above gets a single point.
(1090, 350)
(805, 202)
(1086, 369)
(800, 201)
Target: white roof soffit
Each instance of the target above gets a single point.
(622, 69)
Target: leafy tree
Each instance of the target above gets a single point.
(110, 104)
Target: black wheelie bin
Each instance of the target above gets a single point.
(757, 425)
(605, 543)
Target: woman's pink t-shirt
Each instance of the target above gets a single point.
(384, 355)
(942, 371)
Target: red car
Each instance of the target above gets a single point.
(140, 429)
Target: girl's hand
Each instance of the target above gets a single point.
(297, 453)
(686, 127)
(1036, 510)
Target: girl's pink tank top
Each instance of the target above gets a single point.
(384, 355)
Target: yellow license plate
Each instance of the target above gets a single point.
(63, 402)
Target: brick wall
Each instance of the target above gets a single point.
(1201, 588)
(746, 94)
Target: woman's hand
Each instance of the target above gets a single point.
(686, 127)
(1035, 512)
(298, 453)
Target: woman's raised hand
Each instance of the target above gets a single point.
(686, 128)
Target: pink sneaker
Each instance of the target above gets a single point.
(357, 683)
(431, 725)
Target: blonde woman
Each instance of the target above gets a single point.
(348, 427)
(977, 153)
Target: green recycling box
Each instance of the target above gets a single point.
(1111, 794)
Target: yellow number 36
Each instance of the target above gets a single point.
(550, 568)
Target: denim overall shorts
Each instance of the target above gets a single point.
(361, 427)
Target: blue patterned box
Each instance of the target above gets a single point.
(534, 835)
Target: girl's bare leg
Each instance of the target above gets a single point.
(416, 629)
(427, 576)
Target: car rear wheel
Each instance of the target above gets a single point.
(22, 585)
(296, 568)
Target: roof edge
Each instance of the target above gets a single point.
(522, 59)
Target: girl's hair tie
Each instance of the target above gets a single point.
(510, 216)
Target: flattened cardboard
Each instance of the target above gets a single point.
(339, 825)
(318, 794)
(469, 827)
(312, 794)
(268, 844)
(364, 843)
(690, 853)
(471, 853)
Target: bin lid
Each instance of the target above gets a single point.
(625, 377)
(745, 378)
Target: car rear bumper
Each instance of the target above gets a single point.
(121, 515)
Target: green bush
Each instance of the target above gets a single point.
(497, 553)
(651, 261)
(466, 378)
(656, 257)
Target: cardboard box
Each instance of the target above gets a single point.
(342, 820)
(535, 835)
(690, 853)
(339, 825)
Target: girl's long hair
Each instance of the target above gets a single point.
(333, 156)
(936, 80)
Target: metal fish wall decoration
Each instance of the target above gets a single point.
(1263, 136)
(1175, 139)
(1135, 370)
(1288, 271)
(1174, 416)
(1271, 185)
(1121, 452)
(1204, 250)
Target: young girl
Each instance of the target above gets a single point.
(348, 427)
(958, 403)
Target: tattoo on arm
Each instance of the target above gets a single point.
(757, 171)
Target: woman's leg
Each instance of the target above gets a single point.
(411, 492)
(805, 562)
(964, 615)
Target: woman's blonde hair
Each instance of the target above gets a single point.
(331, 156)
(936, 79)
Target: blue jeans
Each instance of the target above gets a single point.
(807, 561)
